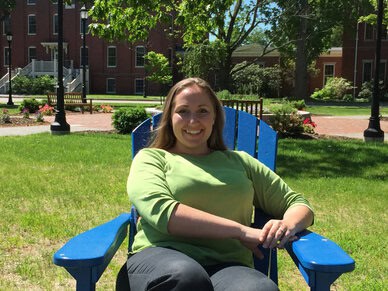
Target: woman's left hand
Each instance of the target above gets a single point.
(276, 233)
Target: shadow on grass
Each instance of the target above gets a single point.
(332, 158)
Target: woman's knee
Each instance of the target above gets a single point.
(182, 275)
(166, 269)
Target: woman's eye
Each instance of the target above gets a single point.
(181, 111)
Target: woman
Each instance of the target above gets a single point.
(195, 200)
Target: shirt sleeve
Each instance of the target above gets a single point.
(272, 194)
(148, 190)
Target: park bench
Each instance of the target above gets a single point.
(320, 260)
(72, 99)
(254, 107)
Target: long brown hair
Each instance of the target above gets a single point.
(164, 137)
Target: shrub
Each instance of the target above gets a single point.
(298, 104)
(285, 120)
(5, 117)
(254, 79)
(29, 85)
(32, 105)
(126, 119)
(224, 95)
(335, 89)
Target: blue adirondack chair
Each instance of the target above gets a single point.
(319, 260)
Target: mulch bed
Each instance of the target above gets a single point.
(20, 121)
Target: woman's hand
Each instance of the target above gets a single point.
(276, 233)
(251, 238)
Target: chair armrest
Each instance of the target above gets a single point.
(320, 260)
(94, 247)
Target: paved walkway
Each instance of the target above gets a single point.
(346, 126)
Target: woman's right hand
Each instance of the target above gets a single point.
(251, 238)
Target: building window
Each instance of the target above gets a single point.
(31, 2)
(31, 24)
(6, 57)
(328, 72)
(70, 5)
(140, 52)
(110, 85)
(55, 24)
(82, 27)
(86, 56)
(31, 53)
(139, 86)
(111, 62)
(6, 25)
(369, 32)
(367, 66)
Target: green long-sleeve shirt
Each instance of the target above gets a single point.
(224, 183)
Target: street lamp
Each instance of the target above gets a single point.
(60, 126)
(9, 39)
(84, 17)
(374, 132)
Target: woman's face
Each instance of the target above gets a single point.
(192, 119)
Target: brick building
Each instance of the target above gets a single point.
(113, 67)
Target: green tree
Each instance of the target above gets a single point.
(204, 60)
(158, 68)
(372, 17)
(228, 21)
(307, 28)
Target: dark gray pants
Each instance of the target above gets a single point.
(166, 269)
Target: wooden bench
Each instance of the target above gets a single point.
(254, 107)
(73, 99)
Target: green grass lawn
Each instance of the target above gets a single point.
(344, 110)
(54, 187)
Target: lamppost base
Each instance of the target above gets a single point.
(60, 126)
(373, 135)
(59, 129)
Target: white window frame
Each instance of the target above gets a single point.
(107, 85)
(363, 70)
(5, 57)
(139, 92)
(80, 26)
(144, 52)
(28, 53)
(70, 6)
(28, 24)
(325, 76)
(108, 57)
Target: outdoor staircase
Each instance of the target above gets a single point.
(72, 79)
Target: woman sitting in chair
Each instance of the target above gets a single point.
(195, 200)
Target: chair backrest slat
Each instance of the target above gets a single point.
(230, 128)
(247, 133)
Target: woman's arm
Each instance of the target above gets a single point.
(190, 222)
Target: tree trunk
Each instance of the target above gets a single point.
(301, 61)
(224, 78)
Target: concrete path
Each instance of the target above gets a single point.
(346, 126)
